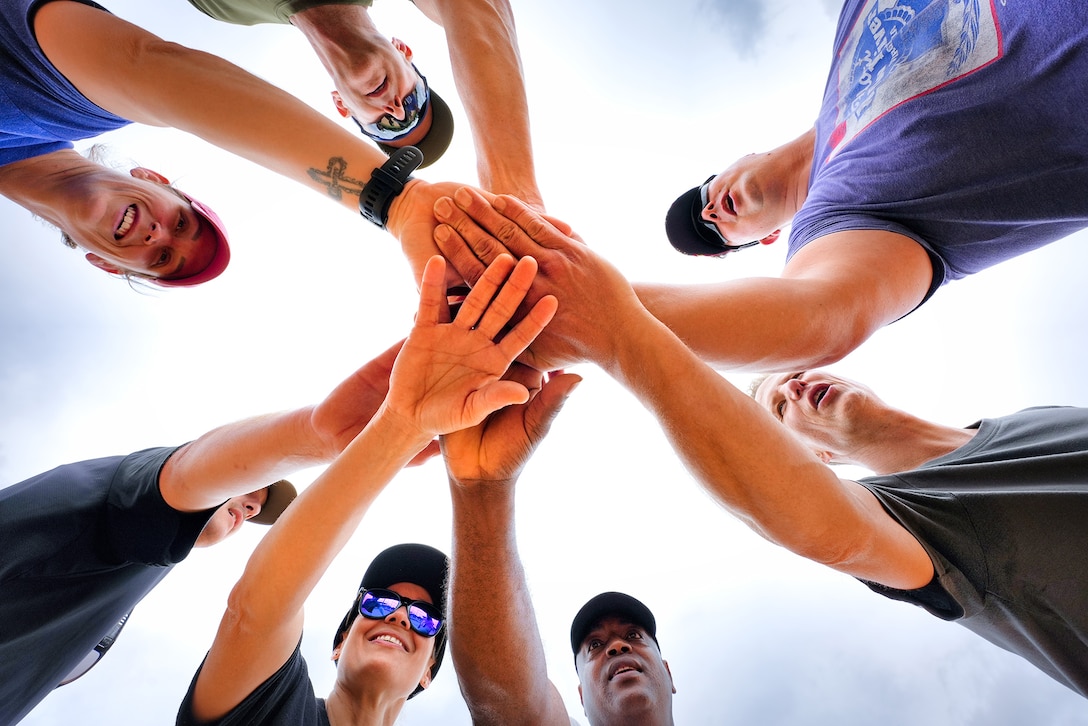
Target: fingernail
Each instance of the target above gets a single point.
(443, 207)
(462, 197)
(442, 233)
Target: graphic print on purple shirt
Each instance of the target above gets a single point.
(893, 46)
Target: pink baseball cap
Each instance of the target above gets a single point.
(219, 260)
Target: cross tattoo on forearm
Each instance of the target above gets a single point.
(334, 180)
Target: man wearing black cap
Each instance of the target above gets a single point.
(380, 88)
(945, 144)
(447, 376)
(622, 678)
(614, 637)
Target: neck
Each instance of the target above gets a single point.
(799, 154)
(369, 708)
(906, 442)
(338, 34)
(643, 718)
(43, 184)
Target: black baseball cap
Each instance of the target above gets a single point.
(280, 494)
(690, 233)
(610, 604)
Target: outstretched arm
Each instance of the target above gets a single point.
(446, 377)
(832, 296)
(490, 606)
(743, 457)
(141, 77)
(483, 46)
(246, 455)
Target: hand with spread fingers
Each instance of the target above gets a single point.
(594, 298)
(449, 375)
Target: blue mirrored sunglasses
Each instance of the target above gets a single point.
(390, 128)
(378, 604)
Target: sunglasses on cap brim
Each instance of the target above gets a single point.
(378, 604)
(91, 659)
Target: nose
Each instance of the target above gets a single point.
(397, 617)
(795, 388)
(618, 646)
(252, 505)
(395, 108)
(154, 233)
(709, 214)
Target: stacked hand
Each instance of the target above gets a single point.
(449, 375)
(595, 298)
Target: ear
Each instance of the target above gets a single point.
(425, 681)
(339, 103)
(148, 175)
(402, 47)
(580, 699)
(669, 671)
(336, 653)
(825, 456)
(772, 237)
(102, 264)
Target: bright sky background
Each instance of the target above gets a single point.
(632, 103)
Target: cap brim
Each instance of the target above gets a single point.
(280, 494)
(437, 139)
(218, 262)
(610, 604)
(686, 231)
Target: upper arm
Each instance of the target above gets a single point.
(871, 545)
(100, 54)
(833, 294)
(865, 279)
(244, 654)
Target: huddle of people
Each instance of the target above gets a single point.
(887, 197)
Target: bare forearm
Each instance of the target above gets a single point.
(740, 455)
(487, 69)
(756, 324)
(141, 77)
(490, 608)
(239, 458)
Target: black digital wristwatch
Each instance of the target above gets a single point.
(386, 183)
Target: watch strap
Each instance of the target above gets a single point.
(386, 182)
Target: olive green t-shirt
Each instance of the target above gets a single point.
(254, 12)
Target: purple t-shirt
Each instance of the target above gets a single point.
(40, 111)
(956, 123)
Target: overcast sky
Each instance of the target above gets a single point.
(632, 103)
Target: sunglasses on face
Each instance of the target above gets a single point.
(704, 198)
(378, 604)
(388, 127)
(92, 658)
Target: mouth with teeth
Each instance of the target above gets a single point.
(625, 668)
(386, 638)
(126, 222)
(818, 394)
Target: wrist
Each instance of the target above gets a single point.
(386, 183)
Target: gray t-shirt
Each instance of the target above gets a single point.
(1004, 520)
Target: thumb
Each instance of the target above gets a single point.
(548, 402)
